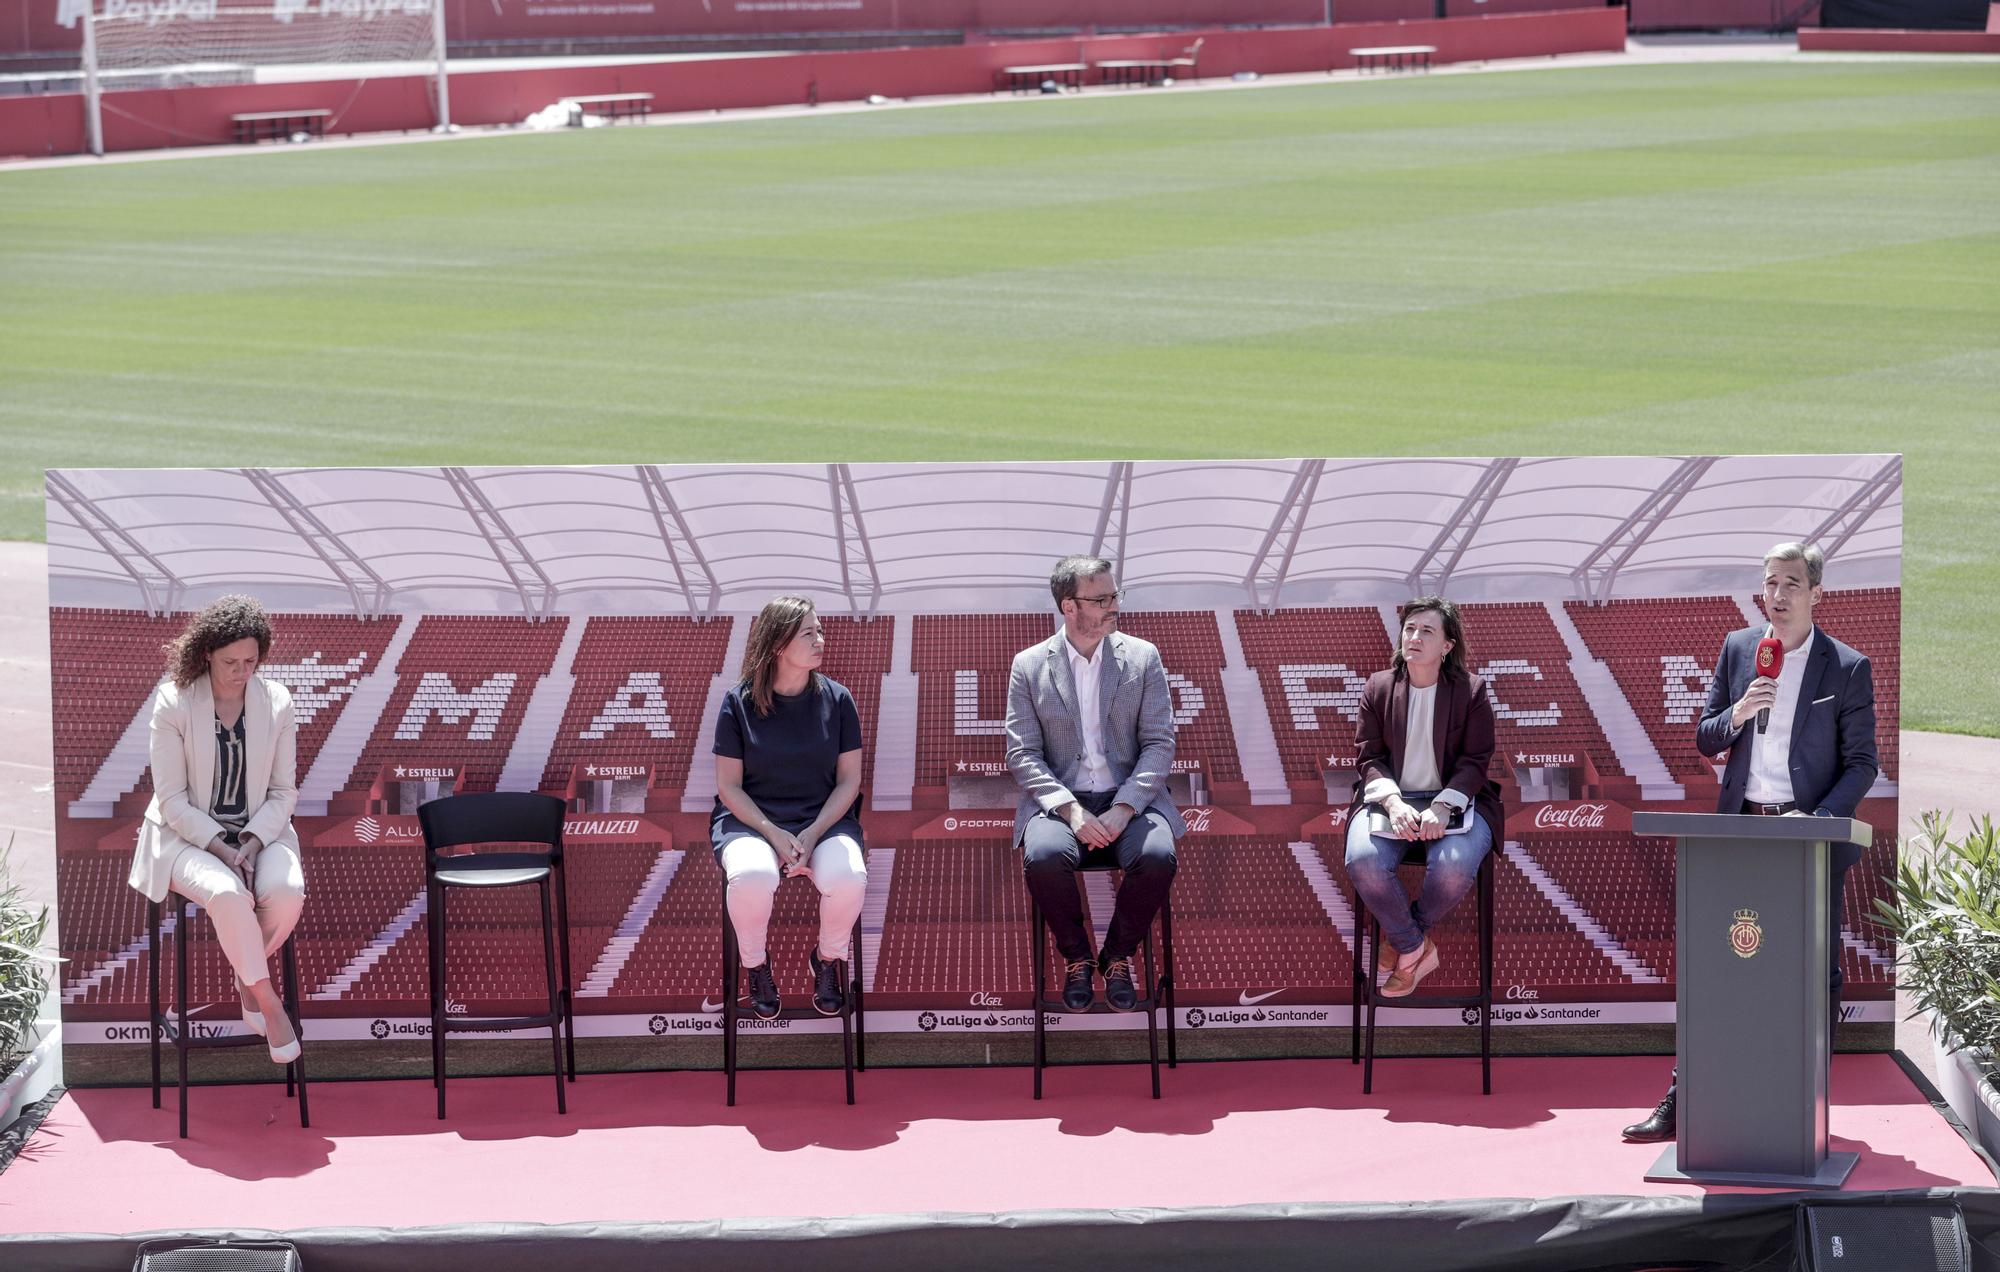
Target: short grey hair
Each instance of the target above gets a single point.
(1815, 559)
(1071, 571)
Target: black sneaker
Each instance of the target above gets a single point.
(763, 991)
(827, 996)
(1120, 994)
(1078, 988)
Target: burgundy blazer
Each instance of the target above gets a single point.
(1462, 732)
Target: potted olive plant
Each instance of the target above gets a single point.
(24, 980)
(1945, 917)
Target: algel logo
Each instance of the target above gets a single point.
(1517, 993)
(984, 999)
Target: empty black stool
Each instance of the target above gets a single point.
(507, 819)
(1158, 990)
(175, 1028)
(853, 1032)
(1363, 1038)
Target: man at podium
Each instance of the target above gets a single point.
(1800, 742)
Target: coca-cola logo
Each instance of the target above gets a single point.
(1571, 817)
(1197, 819)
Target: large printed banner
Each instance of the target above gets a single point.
(573, 630)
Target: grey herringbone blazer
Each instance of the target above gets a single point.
(1045, 737)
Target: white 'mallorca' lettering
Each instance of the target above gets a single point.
(1526, 717)
(1307, 702)
(641, 700)
(437, 695)
(965, 721)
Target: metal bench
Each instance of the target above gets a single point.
(1128, 71)
(1029, 79)
(612, 106)
(266, 125)
(1394, 57)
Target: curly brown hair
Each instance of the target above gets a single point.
(227, 620)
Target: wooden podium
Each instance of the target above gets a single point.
(1751, 1000)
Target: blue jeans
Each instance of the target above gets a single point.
(1451, 867)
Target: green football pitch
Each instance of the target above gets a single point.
(1642, 259)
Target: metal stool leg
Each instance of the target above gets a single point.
(855, 997)
(730, 972)
(847, 1037)
(568, 985)
(1486, 925)
(1152, 1013)
(1038, 937)
(555, 995)
(153, 991)
(1167, 985)
(1373, 952)
(295, 1009)
(438, 981)
(180, 1002)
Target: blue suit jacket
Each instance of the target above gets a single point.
(1833, 732)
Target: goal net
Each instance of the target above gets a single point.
(188, 43)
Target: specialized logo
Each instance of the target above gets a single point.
(1247, 999)
(1746, 935)
(367, 830)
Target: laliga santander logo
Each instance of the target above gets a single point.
(1575, 817)
(367, 830)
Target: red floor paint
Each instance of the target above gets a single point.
(661, 1146)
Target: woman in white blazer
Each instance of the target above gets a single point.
(219, 829)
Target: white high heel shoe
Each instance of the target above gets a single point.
(254, 1022)
(289, 1052)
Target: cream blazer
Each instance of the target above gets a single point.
(183, 756)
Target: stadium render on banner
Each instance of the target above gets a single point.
(575, 630)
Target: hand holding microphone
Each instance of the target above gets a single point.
(1763, 691)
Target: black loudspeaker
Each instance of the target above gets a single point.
(218, 1256)
(1924, 1236)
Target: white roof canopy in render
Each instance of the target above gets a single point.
(928, 538)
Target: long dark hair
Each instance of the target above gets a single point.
(1454, 631)
(772, 630)
(227, 620)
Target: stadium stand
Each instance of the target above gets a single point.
(1625, 883)
(961, 661)
(1662, 652)
(462, 687)
(857, 655)
(1191, 648)
(1870, 619)
(103, 665)
(1245, 920)
(1538, 705)
(641, 684)
(957, 920)
(1313, 704)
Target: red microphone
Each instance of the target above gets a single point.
(1770, 661)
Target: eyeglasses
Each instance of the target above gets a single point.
(1109, 598)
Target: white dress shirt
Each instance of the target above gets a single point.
(1093, 771)
(1771, 751)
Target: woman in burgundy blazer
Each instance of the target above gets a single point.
(1430, 666)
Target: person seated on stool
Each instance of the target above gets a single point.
(788, 798)
(219, 827)
(1090, 739)
(1425, 737)
(1817, 757)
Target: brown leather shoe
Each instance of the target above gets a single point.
(1385, 959)
(1404, 980)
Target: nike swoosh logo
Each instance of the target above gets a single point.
(709, 1006)
(1246, 999)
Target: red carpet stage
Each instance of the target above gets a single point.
(930, 1150)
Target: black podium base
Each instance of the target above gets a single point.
(1832, 1173)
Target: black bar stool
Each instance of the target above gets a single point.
(510, 819)
(852, 1015)
(175, 1029)
(1363, 1037)
(1158, 990)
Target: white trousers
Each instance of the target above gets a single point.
(751, 866)
(249, 927)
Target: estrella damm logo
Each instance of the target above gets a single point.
(1746, 936)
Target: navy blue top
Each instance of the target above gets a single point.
(790, 757)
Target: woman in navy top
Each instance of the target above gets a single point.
(788, 797)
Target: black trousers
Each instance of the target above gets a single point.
(1051, 856)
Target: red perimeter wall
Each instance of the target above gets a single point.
(1856, 40)
(149, 119)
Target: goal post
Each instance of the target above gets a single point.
(130, 44)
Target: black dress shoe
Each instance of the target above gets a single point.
(1661, 1126)
(1078, 988)
(763, 991)
(1119, 992)
(827, 996)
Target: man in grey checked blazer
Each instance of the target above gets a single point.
(1090, 738)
